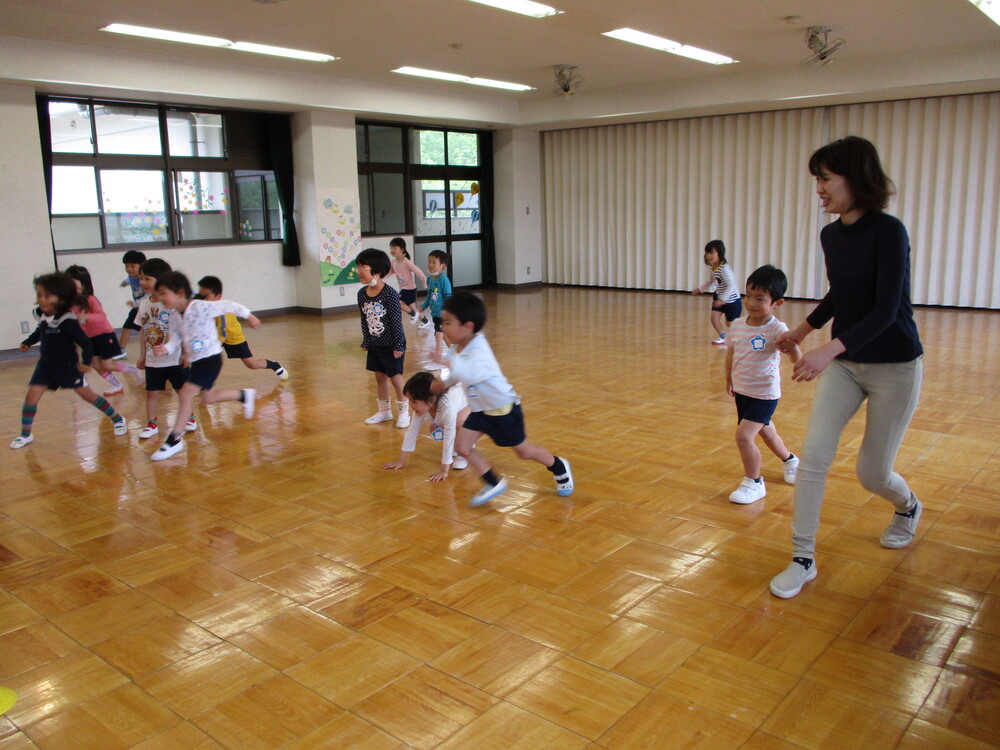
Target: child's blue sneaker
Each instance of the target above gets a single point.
(487, 493)
(564, 482)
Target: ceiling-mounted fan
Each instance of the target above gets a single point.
(822, 47)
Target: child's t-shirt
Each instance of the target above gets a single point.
(405, 270)
(97, 323)
(756, 360)
(381, 320)
(443, 427)
(722, 282)
(153, 320)
(230, 330)
(477, 369)
(137, 291)
(438, 290)
(195, 327)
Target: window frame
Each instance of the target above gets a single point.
(234, 122)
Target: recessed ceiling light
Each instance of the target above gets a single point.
(455, 78)
(524, 7)
(668, 45)
(990, 7)
(297, 54)
(166, 35)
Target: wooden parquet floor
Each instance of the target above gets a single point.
(272, 587)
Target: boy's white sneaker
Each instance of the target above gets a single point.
(249, 396)
(150, 430)
(458, 463)
(166, 451)
(564, 482)
(790, 469)
(488, 492)
(790, 581)
(282, 373)
(748, 492)
(903, 527)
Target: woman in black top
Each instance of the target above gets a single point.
(874, 353)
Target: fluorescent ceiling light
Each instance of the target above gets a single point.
(990, 7)
(524, 7)
(167, 35)
(454, 77)
(297, 54)
(668, 45)
(499, 84)
(211, 41)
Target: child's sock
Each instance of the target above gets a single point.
(115, 382)
(28, 412)
(102, 405)
(790, 457)
(173, 439)
(557, 467)
(491, 479)
(272, 365)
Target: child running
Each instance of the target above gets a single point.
(231, 332)
(98, 328)
(59, 365)
(154, 326)
(405, 269)
(494, 405)
(438, 291)
(194, 322)
(753, 378)
(442, 414)
(382, 334)
(133, 259)
(721, 281)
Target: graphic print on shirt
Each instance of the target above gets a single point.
(374, 316)
(437, 432)
(155, 325)
(758, 342)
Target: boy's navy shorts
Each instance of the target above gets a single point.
(732, 310)
(754, 409)
(437, 324)
(237, 351)
(158, 377)
(204, 372)
(506, 431)
(383, 360)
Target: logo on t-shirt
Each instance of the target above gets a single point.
(758, 342)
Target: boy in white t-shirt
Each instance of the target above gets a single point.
(753, 378)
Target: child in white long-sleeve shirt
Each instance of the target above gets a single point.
(495, 408)
(194, 322)
(442, 414)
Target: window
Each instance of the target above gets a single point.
(141, 174)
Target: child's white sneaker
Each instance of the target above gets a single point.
(790, 467)
(458, 463)
(191, 425)
(404, 414)
(150, 430)
(249, 396)
(749, 491)
(721, 341)
(20, 441)
(564, 482)
(166, 450)
(790, 581)
(384, 413)
(488, 492)
(282, 373)
(121, 426)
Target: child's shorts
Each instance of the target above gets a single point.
(408, 296)
(506, 431)
(437, 324)
(383, 360)
(237, 351)
(754, 409)
(130, 323)
(204, 372)
(732, 310)
(106, 345)
(56, 378)
(158, 377)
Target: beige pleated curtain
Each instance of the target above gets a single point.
(632, 206)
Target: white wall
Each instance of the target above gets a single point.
(26, 248)
(517, 205)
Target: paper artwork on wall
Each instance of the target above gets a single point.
(339, 238)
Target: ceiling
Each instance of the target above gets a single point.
(372, 37)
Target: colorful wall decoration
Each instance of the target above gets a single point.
(339, 221)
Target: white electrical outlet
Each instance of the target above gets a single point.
(24, 326)
(341, 291)
(529, 270)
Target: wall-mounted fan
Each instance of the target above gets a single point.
(822, 47)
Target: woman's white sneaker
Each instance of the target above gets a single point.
(790, 581)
